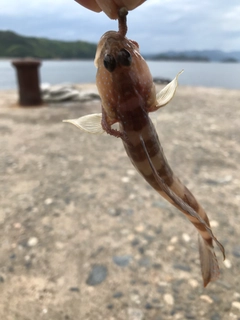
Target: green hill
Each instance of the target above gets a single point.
(13, 45)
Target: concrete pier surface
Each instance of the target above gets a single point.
(83, 237)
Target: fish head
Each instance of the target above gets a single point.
(123, 77)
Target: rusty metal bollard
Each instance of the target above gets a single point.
(28, 81)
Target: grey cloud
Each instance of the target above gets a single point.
(157, 26)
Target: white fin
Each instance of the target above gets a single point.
(167, 93)
(90, 123)
(209, 263)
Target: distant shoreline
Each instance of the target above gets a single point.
(146, 58)
(14, 46)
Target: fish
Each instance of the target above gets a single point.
(128, 96)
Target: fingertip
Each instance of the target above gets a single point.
(90, 4)
(109, 7)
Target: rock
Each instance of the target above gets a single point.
(129, 212)
(135, 298)
(59, 245)
(135, 314)
(148, 306)
(170, 248)
(141, 250)
(125, 179)
(211, 182)
(1, 279)
(227, 263)
(182, 267)
(158, 230)
(156, 301)
(144, 262)
(236, 251)
(44, 310)
(140, 228)
(159, 204)
(132, 196)
(236, 305)
(216, 316)
(131, 172)
(168, 298)
(174, 240)
(124, 232)
(27, 258)
(217, 181)
(214, 223)
(135, 242)
(11, 269)
(115, 212)
(186, 237)
(233, 316)
(148, 237)
(236, 295)
(193, 283)
(74, 289)
(206, 299)
(48, 201)
(117, 294)
(97, 275)
(122, 261)
(33, 241)
(189, 316)
(157, 266)
(28, 264)
(17, 225)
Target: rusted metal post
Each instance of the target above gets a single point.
(28, 81)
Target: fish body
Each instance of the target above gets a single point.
(128, 95)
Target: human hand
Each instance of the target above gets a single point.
(110, 7)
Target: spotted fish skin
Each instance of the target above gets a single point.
(128, 96)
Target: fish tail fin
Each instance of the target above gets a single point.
(209, 263)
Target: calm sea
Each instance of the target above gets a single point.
(225, 75)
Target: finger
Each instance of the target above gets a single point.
(90, 4)
(109, 7)
(129, 4)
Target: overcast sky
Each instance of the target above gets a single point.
(158, 25)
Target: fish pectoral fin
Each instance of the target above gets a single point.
(167, 93)
(91, 123)
(209, 264)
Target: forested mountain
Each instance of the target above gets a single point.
(13, 45)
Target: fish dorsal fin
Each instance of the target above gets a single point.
(91, 123)
(178, 201)
(167, 93)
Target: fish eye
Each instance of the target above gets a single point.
(124, 58)
(109, 62)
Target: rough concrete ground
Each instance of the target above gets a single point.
(84, 237)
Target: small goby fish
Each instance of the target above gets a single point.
(128, 95)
